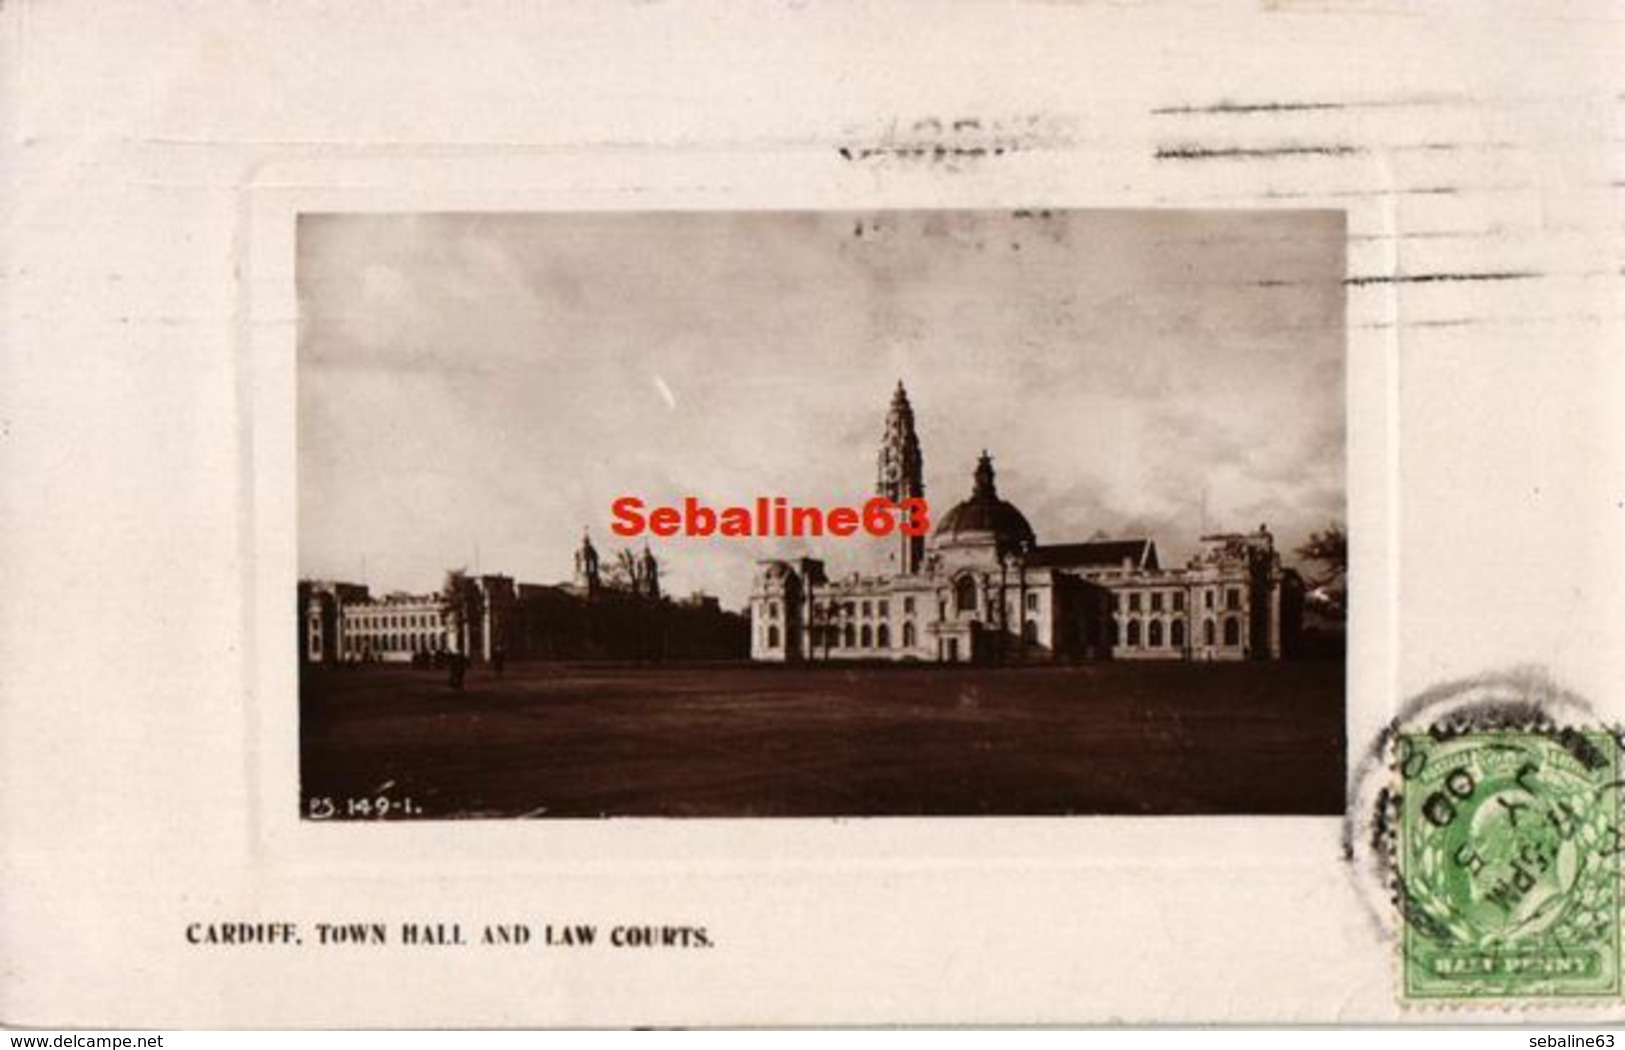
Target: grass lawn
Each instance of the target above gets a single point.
(736, 740)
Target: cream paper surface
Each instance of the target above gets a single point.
(157, 156)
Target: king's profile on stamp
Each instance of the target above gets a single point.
(1508, 873)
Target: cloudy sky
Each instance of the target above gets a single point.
(476, 389)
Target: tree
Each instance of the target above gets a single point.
(628, 573)
(459, 606)
(1328, 548)
(622, 573)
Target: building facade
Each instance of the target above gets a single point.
(982, 589)
(344, 623)
(618, 614)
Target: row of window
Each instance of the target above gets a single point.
(850, 636)
(410, 642)
(964, 600)
(880, 607)
(390, 621)
(1176, 599)
(853, 637)
(1153, 635)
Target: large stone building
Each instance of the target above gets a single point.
(982, 589)
(344, 623)
(619, 614)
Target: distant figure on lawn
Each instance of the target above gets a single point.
(499, 659)
(458, 663)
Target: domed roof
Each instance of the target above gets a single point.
(985, 516)
(996, 516)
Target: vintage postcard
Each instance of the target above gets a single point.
(627, 515)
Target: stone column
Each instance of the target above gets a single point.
(1275, 618)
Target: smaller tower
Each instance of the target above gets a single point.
(587, 565)
(984, 489)
(649, 573)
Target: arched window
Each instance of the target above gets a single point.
(883, 636)
(965, 594)
(1176, 634)
(1154, 634)
(1029, 632)
(1232, 631)
(1207, 633)
(851, 638)
(867, 636)
(908, 636)
(772, 636)
(1134, 633)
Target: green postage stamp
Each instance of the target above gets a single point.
(1508, 864)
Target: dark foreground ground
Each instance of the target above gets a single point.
(552, 740)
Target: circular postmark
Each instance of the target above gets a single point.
(1485, 826)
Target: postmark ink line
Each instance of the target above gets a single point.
(1193, 152)
(1362, 280)
(1233, 108)
(1589, 320)
(1226, 107)
(1437, 190)
(1487, 233)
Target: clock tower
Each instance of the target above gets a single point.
(902, 473)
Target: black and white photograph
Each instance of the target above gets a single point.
(821, 514)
